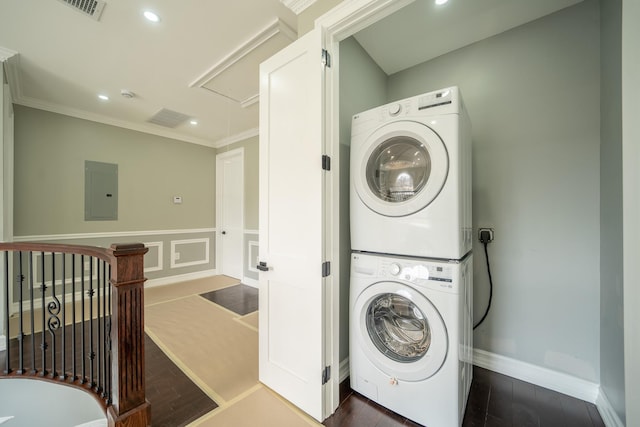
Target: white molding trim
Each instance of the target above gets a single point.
(250, 282)
(251, 232)
(169, 280)
(175, 243)
(46, 237)
(243, 136)
(608, 414)
(3, 342)
(297, 6)
(349, 17)
(543, 377)
(344, 369)
(160, 246)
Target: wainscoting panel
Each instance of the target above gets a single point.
(189, 255)
(186, 253)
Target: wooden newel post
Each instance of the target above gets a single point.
(129, 407)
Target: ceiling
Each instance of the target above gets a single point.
(201, 59)
(424, 30)
(66, 58)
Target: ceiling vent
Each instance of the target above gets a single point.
(91, 8)
(168, 118)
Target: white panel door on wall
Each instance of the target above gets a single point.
(230, 212)
(292, 303)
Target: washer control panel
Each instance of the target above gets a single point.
(417, 272)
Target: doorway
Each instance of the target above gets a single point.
(230, 213)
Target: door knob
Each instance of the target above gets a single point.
(262, 266)
(224, 232)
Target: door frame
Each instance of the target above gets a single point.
(220, 158)
(341, 22)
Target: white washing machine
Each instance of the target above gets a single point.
(411, 335)
(411, 177)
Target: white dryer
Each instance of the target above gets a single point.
(411, 177)
(411, 335)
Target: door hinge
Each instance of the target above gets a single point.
(326, 58)
(326, 269)
(326, 162)
(326, 374)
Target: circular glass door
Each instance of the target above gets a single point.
(400, 168)
(398, 328)
(400, 331)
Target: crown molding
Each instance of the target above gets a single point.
(236, 138)
(297, 6)
(98, 118)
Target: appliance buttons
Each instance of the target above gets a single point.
(394, 269)
(394, 109)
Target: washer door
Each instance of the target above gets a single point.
(400, 331)
(403, 169)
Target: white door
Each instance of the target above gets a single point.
(230, 212)
(292, 320)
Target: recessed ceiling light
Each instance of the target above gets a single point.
(103, 97)
(193, 122)
(440, 2)
(151, 16)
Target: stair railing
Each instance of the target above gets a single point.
(75, 315)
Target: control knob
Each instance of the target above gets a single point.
(394, 269)
(394, 109)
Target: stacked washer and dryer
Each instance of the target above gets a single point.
(411, 265)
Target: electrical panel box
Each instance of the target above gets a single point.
(100, 191)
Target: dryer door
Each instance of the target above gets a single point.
(401, 331)
(403, 168)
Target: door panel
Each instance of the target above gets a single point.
(291, 224)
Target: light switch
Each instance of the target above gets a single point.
(177, 200)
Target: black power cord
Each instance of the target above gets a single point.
(485, 238)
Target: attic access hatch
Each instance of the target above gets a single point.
(91, 8)
(236, 77)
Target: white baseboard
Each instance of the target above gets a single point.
(344, 369)
(179, 278)
(250, 282)
(608, 414)
(3, 342)
(543, 377)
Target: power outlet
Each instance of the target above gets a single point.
(485, 235)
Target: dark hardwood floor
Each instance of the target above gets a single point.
(175, 400)
(495, 400)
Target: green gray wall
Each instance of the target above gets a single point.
(50, 151)
(533, 97)
(362, 86)
(631, 205)
(49, 191)
(612, 380)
